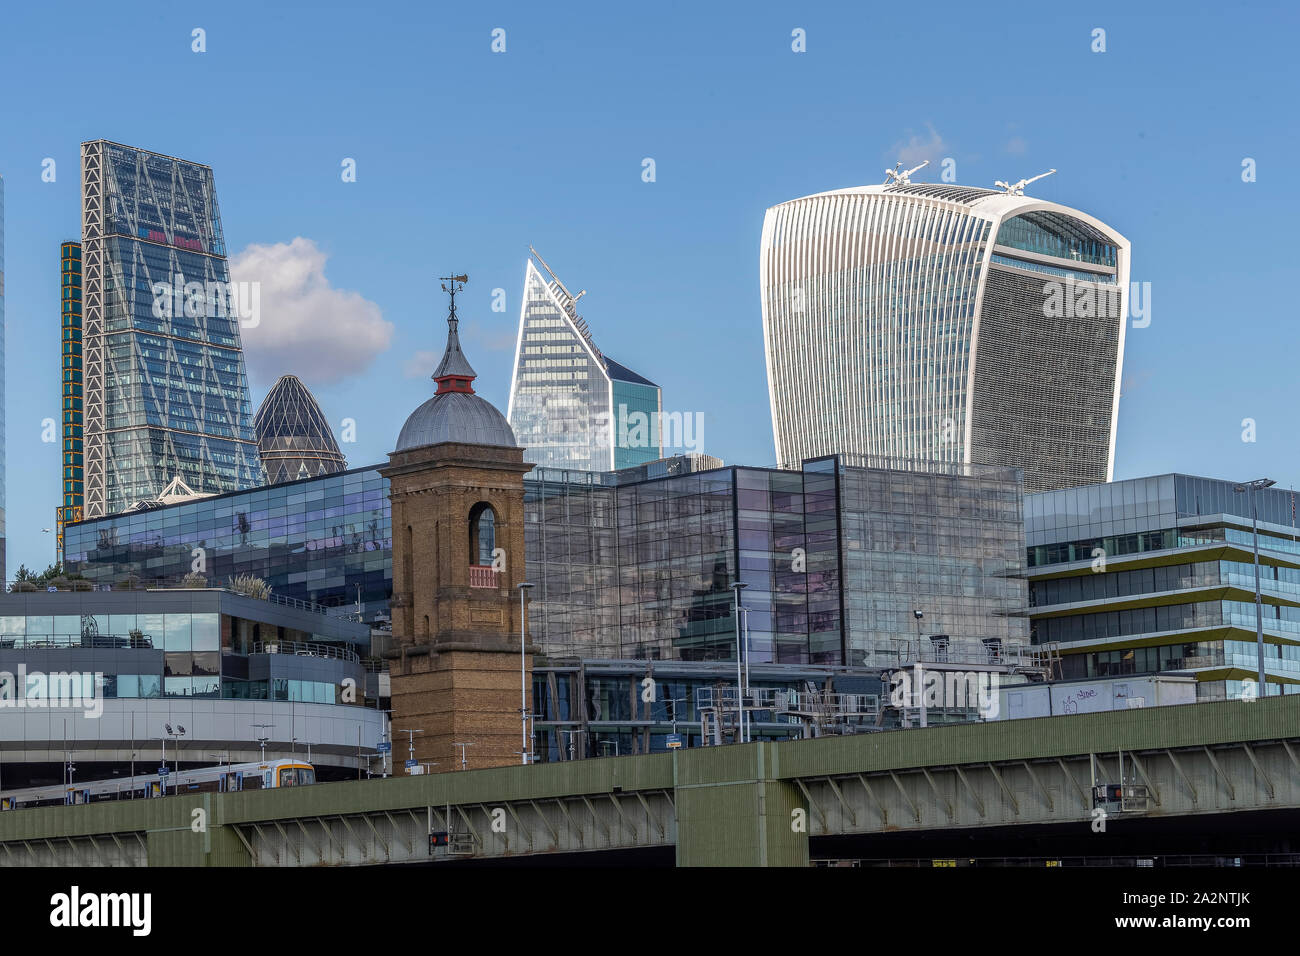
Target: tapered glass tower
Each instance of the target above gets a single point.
(293, 437)
(165, 393)
(945, 323)
(572, 406)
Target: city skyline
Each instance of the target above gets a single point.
(676, 255)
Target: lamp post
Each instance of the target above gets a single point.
(920, 689)
(176, 735)
(737, 587)
(1259, 484)
(524, 587)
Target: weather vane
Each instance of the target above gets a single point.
(457, 283)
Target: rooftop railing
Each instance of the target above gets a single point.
(82, 584)
(306, 649)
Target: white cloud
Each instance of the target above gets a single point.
(914, 149)
(421, 364)
(306, 327)
(1016, 146)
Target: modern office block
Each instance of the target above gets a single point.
(327, 540)
(945, 323)
(572, 406)
(165, 394)
(221, 668)
(293, 438)
(837, 557)
(1157, 574)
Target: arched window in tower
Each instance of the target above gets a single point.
(482, 534)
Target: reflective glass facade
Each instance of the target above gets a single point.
(165, 392)
(571, 406)
(946, 324)
(946, 544)
(1157, 574)
(834, 557)
(315, 540)
(180, 644)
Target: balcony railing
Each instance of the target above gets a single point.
(305, 649)
(483, 577)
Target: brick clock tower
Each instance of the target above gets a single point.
(457, 493)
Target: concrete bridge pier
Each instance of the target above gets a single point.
(733, 811)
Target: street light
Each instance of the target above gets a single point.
(738, 586)
(176, 735)
(524, 586)
(920, 689)
(1259, 484)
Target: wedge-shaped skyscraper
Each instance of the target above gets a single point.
(165, 394)
(946, 323)
(572, 406)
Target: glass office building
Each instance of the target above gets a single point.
(1157, 574)
(317, 540)
(164, 392)
(571, 406)
(223, 668)
(835, 558)
(639, 563)
(945, 323)
(70, 346)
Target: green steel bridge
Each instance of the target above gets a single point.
(1231, 766)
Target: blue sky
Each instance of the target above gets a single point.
(465, 156)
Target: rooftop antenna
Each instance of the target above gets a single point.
(901, 179)
(1018, 189)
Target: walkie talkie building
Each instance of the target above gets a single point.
(945, 323)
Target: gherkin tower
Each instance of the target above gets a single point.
(293, 437)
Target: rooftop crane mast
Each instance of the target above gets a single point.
(894, 178)
(1018, 189)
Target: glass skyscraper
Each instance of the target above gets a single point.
(165, 393)
(571, 406)
(293, 437)
(945, 323)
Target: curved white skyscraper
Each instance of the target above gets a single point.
(941, 322)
